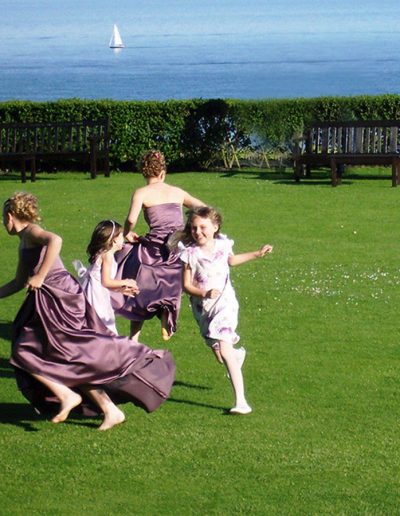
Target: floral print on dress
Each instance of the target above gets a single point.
(217, 318)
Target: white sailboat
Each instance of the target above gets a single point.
(116, 41)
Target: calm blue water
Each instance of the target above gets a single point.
(178, 49)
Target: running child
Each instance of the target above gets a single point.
(99, 279)
(207, 259)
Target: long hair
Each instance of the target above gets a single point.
(185, 235)
(102, 238)
(23, 206)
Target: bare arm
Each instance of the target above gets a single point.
(16, 284)
(195, 291)
(238, 259)
(133, 215)
(191, 202)
(111, 283)
(40, 237)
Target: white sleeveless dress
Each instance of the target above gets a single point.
(97, 295)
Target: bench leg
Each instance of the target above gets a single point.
(23, 170)
(106, 166)
(298, 172)
(398, 172)
(340, 170)
(334, 175)
(33, 169)
(93, 158)
(93, 165)
(395, 172)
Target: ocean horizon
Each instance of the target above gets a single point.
(179, 49)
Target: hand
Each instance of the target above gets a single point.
(34, 282)
(132, 237)
(213, 293)
(129, 292)
(130, 284)
(265, 249)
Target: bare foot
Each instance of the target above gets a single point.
(71, 401)
(114, 417)
(164, 334)
(164, 325)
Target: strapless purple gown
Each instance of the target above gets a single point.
(57, 334)
(157, 271)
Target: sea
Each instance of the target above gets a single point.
(181, 49)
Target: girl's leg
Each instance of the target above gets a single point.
(112, 414)
(164, 325)
(235, 374)
(217, 353)
(68, 398)
(136, 326)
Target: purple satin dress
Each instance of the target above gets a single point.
(57, 334)
(157, 271)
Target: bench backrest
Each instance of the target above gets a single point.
(361, 137)
(54, 137)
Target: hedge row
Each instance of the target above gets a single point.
(192, 132)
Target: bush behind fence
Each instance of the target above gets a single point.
(200, 133)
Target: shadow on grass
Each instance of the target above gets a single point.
(23, 415)
(45, 176)
(6, 370)
(17, 177)
(280, 176)
(5, 330)
(19, 414)
(178, 383)
(318, 177)
(263, 174)
(195, 403)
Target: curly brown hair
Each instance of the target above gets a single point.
(23, 206)
(153, 163)
(102, 238)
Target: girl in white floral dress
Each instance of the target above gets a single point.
(206, 278)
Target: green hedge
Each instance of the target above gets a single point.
(191, 133)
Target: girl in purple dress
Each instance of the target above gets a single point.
(206, 278)
(59, 345)
(147, 259)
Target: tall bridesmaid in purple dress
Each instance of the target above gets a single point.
(147, 259)
(60, 347)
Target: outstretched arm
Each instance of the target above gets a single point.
(191, 202)
(39, 237)
(238, 259)
(133, 215)
(195, 291)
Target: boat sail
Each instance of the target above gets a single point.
(116, 41)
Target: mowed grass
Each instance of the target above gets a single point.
(319, 319)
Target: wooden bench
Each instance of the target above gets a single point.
(29, 142)
(336, 144)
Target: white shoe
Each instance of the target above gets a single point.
(241, 409)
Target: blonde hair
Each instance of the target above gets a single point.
(185, 235)
(153, 163)
(24, 206)
(102, 238)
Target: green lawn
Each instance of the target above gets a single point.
(319, 319)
